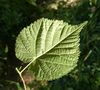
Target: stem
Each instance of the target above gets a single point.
(20, 74)
(87, 55)
(27, 66)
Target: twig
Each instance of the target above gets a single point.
(87, 55)
(20, 74)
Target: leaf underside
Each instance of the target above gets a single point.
(52, 44)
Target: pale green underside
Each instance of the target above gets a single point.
(53, 44)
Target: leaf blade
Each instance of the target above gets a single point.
(52, 44)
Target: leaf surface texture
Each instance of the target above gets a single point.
(52, 44)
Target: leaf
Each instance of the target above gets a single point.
(32, 2)
(52, 44)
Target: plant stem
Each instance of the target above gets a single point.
(20, 74)
(87, 55)
(27, 66)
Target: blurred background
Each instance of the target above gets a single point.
(17, 14)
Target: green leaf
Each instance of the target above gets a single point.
(52, 44)
(32, 2)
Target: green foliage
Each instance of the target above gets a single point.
(15, 14)
(32, 2)
(53, 46)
